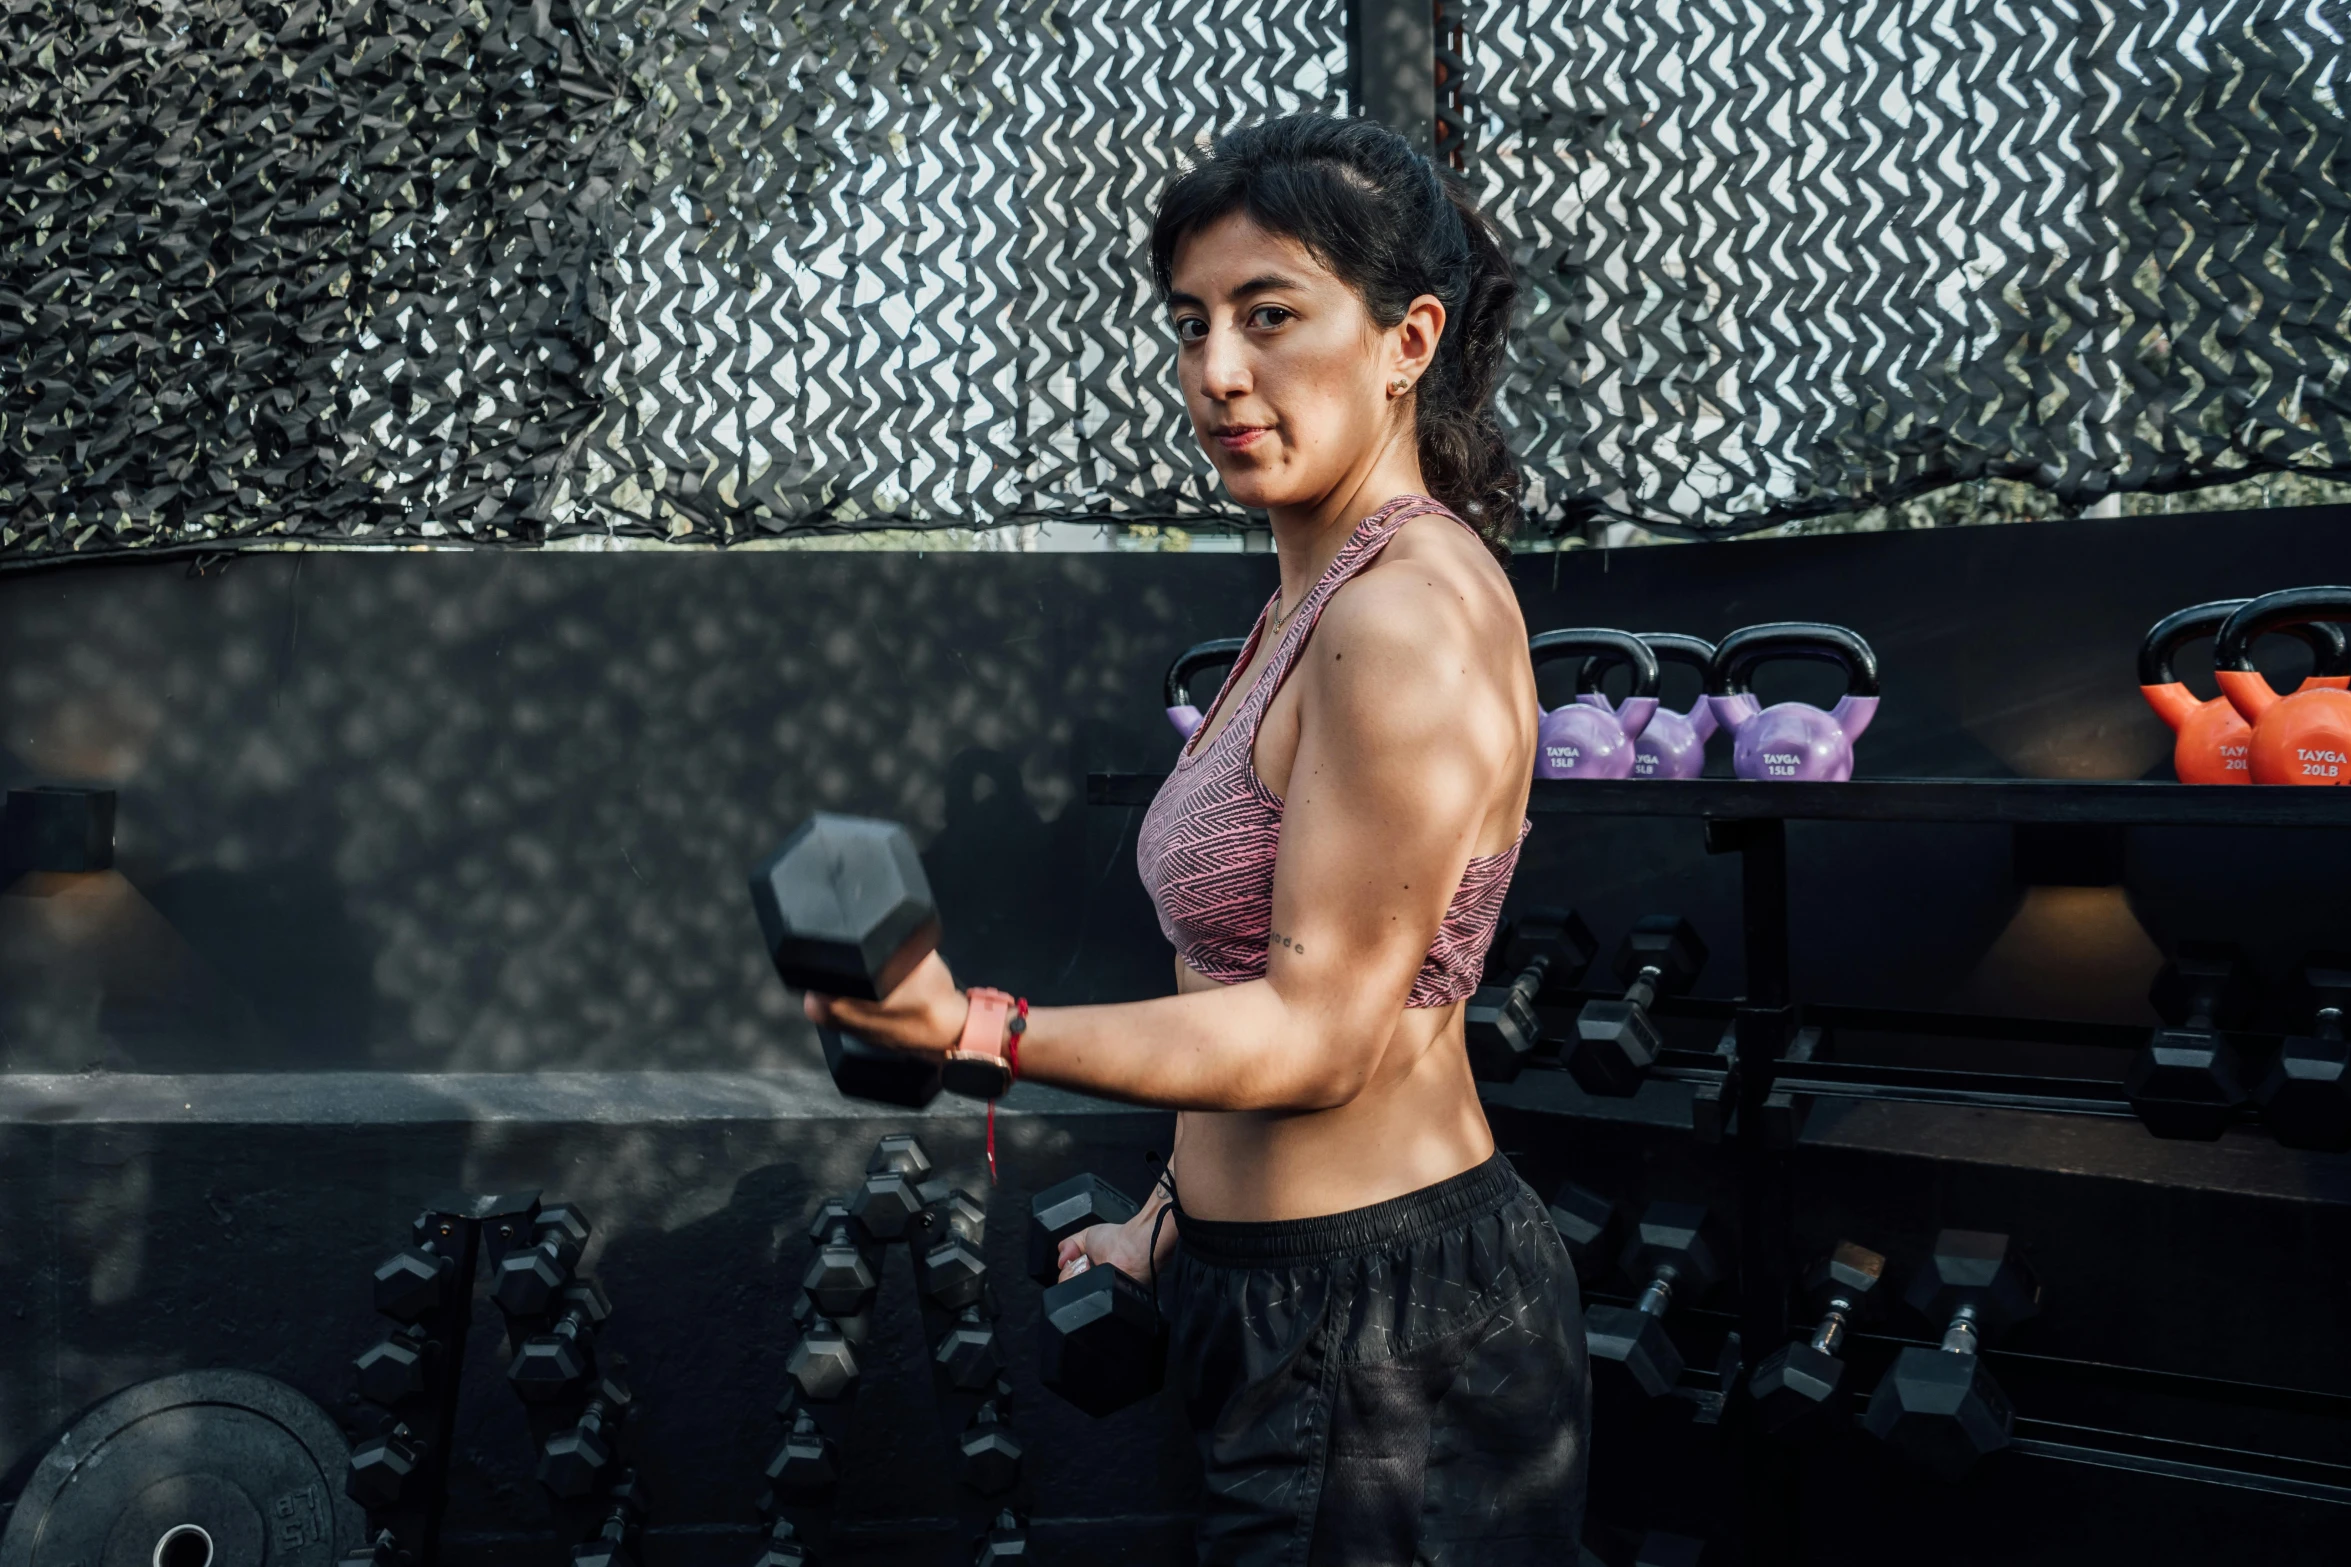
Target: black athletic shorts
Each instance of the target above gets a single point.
(1393, 1386)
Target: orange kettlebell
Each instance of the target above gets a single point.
(2215, 741)
(2300, 739)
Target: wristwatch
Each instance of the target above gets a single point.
(979, 1066)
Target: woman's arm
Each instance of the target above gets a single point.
(1407, 732)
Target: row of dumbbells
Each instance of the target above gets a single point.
(943, 1227)
(1614, 1041)
(2189, 1080)
(553, 1319)
(1940, 1408)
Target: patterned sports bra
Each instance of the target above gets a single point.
(1208, 842)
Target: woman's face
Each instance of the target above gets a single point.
(1284, 372)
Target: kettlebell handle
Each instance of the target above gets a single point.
(1199, 656)
(1671, 647)
(2330, 650)
(1735, 661)
(1595, 643)
(2232, 646)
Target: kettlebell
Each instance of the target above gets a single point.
(2300, 739)
(1578, 739)
(1199, 656)
(2214, 739)
(1792, 741)
(1672, 745)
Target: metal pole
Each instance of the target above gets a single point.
(1764, 1024)
(1392, 66)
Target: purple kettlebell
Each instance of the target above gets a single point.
(1199, 656)
(1792, 741)
(1671, 745)
(1578, 739)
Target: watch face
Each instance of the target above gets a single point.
(976, 1076)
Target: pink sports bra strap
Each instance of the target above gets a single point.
(1363, 546)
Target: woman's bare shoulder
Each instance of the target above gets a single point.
(1434, 617)
(1436, 585)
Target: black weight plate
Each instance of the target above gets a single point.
(197, 1469)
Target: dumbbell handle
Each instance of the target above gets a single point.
(559, 1247)
(1960, 1338)
(1642, 992)
(1657, 1297)
(597, 1416)
(1530, 979)
(2328, 1024)
(570, 1325)
(1830, 1335)
(2203, 1001)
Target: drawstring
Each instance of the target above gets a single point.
(1166, 1179)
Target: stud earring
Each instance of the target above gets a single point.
(1399, 386)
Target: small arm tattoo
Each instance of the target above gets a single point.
(1277, 939)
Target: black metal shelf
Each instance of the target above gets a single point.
(1759, 1079)
(2009, 801)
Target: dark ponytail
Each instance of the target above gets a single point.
(1379, 215)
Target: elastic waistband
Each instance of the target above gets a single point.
(1226, 1243)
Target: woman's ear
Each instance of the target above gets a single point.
(1415, 338)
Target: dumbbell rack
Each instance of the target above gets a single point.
(1750, 819)
(993, 1517)
(477, 1233)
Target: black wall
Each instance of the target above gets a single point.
(444, 815)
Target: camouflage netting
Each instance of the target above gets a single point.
(1789, 259)
(507, 273)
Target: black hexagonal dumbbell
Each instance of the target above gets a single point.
(394, 1371)
(968, 1352)
(1104, 1346)
(991, 1453)
(858, 1329)
(529, 1280)
(615, 1541)
(2187, 1080)
(383, 1468)
(890, 1199)
(1616, 1042)
(1675, 1254)
(416, 1282)
(784, 1547)
(846, 909)
(1940, 1407)
(840, 1278)
(950, 1268)
(1799, 1388)
(1058, 1212)
(823, 1364)
(576, 1458)
(2305, 1096)
(1587, 1222)
(551, 1364)
(1538, 948)
(1005, 1544)
(806, 1464)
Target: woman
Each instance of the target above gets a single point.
(1374, 1325)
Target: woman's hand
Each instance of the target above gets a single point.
(923, 1015)
(1126, 1247)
